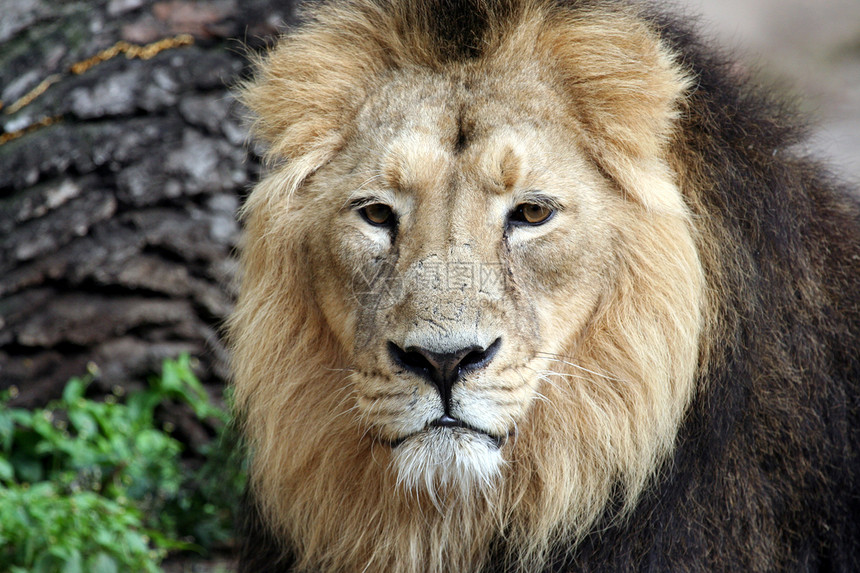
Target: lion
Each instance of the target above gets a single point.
(533, 285)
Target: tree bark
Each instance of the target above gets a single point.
(120, 177)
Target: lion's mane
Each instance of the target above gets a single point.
(738, 314)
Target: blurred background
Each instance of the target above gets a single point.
(123, 161)
(811, 49)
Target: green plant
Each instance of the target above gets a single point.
(101, 485)
(45, 529)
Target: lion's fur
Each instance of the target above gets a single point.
(715, 328)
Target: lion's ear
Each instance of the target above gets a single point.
(307, 88)
(624, 89)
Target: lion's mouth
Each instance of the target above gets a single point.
(446, 421)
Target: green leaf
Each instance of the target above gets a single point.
(74, 563)
(7, 428)
(103, 563)
(22, 417)
(7, 472)
(142, 405)
(171, 379)
(84, 423)
(74, 390)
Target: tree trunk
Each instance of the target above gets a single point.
(122, 164)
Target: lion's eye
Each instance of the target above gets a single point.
(378, 214)
(532, 214)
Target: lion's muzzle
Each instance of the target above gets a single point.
(443, 369)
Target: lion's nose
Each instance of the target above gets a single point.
(443, 369)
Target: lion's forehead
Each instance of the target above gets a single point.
(422, 127)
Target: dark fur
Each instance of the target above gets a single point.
(765, 474)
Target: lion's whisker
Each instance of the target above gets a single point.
(584, 369)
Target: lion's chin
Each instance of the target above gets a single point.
(447, 461)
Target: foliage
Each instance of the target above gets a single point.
(102, 486)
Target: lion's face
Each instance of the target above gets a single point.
(464, 241)
(474, 277)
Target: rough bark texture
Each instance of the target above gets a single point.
(117, 220)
